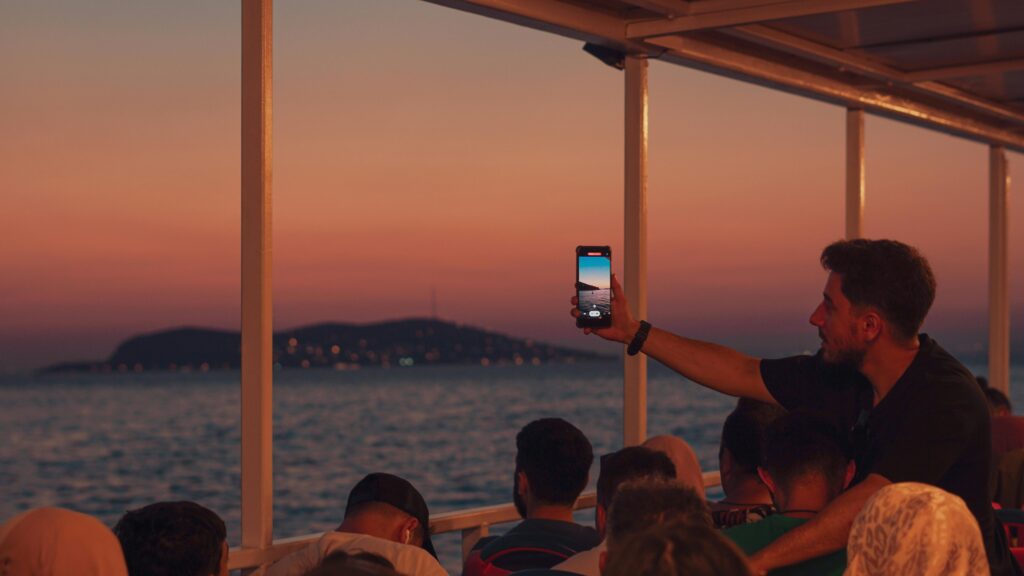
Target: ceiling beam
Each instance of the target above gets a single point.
(832, 87)
(670, 8)
(966, 70)
(847, 61)
(748, 14)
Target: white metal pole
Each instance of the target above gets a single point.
(854, 173)
(257, 329)
(634, 405)
(998, 266)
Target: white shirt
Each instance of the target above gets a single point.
(407, 559)
(587, 563)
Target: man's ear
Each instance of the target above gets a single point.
(600, 520)
(524, 484)
(223, 571)
(851, 471)
(871, 323)
(766, 479)
(725, 463)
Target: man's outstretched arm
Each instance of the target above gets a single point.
(717, 367)
(827, 532)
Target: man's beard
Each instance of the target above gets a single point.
(516, 498)
(849, 357)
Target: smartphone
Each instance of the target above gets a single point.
(594, 286)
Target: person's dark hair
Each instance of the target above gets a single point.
(887, 275)
(342, 563)
(743, 432)
(997, 399)
(982, 381)
(675, 549)
(556, 457)
(639, 503)
(631, 463)
(171, 539)
(799, 444)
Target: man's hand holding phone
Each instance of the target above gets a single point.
(623, 326)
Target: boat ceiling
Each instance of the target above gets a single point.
(953, 65)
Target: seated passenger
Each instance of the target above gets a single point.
(341, 563)
(675, 550)
(553, 460)
(746, 498)
(683, 457)
(664, 529)
(173, 539)
(631, 463)
(912, 528)
(385, 515)
(58, 542)
(805, 466)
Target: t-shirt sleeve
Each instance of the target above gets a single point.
(297, 563)
(931, 438)
(793, 381)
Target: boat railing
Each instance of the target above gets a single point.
(474, 523)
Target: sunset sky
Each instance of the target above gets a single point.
(419, 148)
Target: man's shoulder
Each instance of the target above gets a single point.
(557, 535)
(401, 555)
(753, 536)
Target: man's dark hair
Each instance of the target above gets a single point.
(887, 275)
(171, 539)
(682, 549)
(631, 463)
(639, 503)
(556, 457)
(801, 443)
(997, 399)
(743, 432)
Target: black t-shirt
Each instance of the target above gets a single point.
(932, 427)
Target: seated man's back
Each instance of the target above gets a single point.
(553, 460)
(746, 499)
(805, 466)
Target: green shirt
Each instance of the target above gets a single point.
(755, 536)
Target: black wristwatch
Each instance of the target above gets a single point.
(638, 340)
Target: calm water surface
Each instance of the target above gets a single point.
(103, 444)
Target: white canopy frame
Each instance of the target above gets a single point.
(676, 31)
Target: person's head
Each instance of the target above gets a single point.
(59, 541)
(998, 403)
(923, 530)
(804, 456)
(679, 549)
(630, 463)
(640, 503)
(553, 460)
(683, 457)
(876, 290)
(388, 507)
(739, 455)
(342, 563)
(173, 539)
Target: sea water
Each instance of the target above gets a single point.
(103, 444)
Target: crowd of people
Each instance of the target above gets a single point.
(874, 457)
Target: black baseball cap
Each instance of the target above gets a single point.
(398, 492)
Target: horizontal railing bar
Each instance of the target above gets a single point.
(442, 523)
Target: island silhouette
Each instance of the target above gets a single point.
(408, 342)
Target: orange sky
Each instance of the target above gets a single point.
(420, 147)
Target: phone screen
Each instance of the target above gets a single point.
(594, 285)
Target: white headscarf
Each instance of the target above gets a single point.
(682, 456)
(59, 542)
(912, 529)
